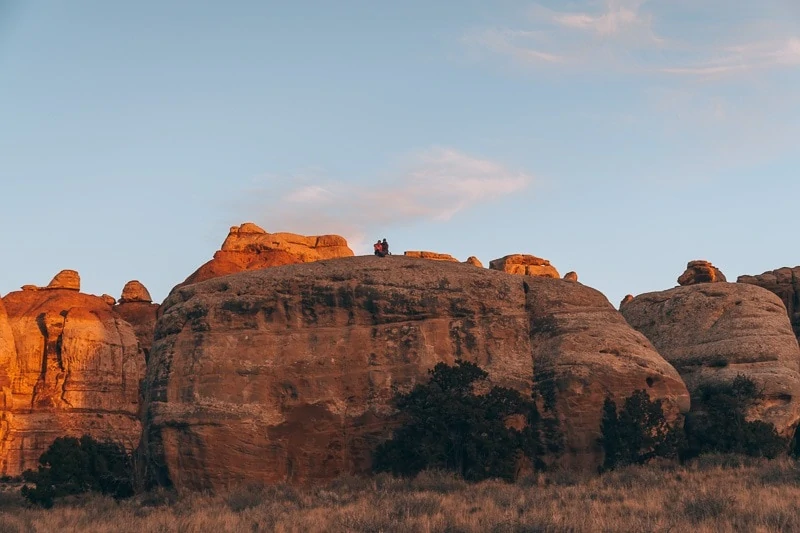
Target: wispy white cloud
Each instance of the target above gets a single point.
(619, 17)
(432, 185)
(761, 55)
(521, 45)
(621, 34)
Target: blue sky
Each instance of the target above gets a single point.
(617, 138)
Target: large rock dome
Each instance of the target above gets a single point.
(713, 332)
(287, 373)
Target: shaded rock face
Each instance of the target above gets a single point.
(75, 369)
(700, 271)
(430, 255)
(288, 374)
(583, 352)
(711, 333)
(248, 247)
(785, 284)
(571, 276)
(526, 265)
(136, 308)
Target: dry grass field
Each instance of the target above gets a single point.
(716, 493)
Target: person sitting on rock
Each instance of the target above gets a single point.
(378, 246)
(385, 247)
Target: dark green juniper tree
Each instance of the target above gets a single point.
(638, 433)
(74, 466)
(719, 424)
(447, 426)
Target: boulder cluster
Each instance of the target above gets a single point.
(249, 373)
(700, 271)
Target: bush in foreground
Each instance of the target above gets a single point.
(449, 427)
(638, 433)
(719, 426)
(74, 466)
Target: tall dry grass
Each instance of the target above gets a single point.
(712, 494)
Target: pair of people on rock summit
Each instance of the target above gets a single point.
(381, 248)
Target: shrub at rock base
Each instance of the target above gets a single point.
(74, 466)
(449, 427)
(719, 426)
(638, 433)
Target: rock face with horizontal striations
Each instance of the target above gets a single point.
(248, 247)
(75, 370)
(785, 284)
(433, 256)
(136, 308)
(700, 271)
(711, 333)
(585, 352)
(287, 374)
(525, 265)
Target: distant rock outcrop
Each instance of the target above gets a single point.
(785, 284)
(711, 333)
(525, 265)
(66, 279)
(248, 247)
(73, 368)
(137, 308)
(287, 375)
(433, 256)
(474, 261)
(571, 276)
(134, 291)
(700, 271)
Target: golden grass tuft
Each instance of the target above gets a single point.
(711, 494)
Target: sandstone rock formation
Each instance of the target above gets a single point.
(785, 283)
(137, 308)
(700, 271)
(66, 279)
(583, 352)
(474, 261)
(8, 359)
(287, 374)
(134, 291)
(628, 298)
(248, 247)
(571, 276)
(711, 333)
(430, 255)
(108, 299)
(74, 368)
(526, 265)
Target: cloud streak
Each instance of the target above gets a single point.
(622, 35)
(433, 185)
(745, 58)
